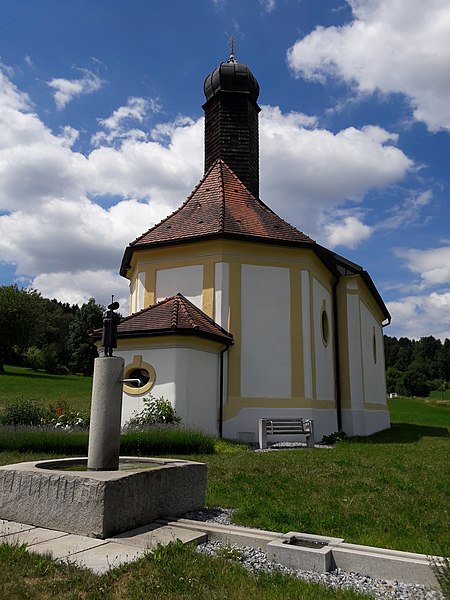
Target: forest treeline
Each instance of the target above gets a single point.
(47, 334)
(415, 367)
(54, 336)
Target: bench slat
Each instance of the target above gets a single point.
(285, 426)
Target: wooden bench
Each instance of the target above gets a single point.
(286, 426)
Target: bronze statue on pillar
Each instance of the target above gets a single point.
(110, 323)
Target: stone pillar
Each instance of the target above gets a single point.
(106, 412)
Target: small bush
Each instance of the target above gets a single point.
(158, 440)
(156, 410)
(333, 438)
(23, 411)
(165, 440)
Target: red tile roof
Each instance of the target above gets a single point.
(220, 206)
(174, 315)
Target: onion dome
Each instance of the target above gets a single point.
(231, 76)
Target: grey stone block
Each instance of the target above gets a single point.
(309, 553)
(383, 563)
(99, 503)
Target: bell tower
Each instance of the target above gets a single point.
(231, 121)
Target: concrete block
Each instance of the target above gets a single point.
(383, 563)
(303, 551)
(100, 503)
(66, 545)
(9, 527)
(32, 536)
(229, 534)
(101, 559)
(149, 536)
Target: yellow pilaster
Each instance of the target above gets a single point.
(208, 289)
(297, 380)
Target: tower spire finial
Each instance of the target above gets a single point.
(231, 44)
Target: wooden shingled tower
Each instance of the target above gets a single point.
(231, 121)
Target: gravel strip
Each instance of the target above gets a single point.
(257, 562)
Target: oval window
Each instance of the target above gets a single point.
(325, 328)
(374, 346)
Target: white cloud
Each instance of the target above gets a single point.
(78, 287)
(305, 170)
(420, 315)
(118, 125)
(426, 312)
(408, 213)
(391, 46)
(68, 89)
(57, 220)
(349, 232)
(432, 264)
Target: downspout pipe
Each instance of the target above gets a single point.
(221, 379)
(337, 364)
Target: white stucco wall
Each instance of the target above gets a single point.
(186, 376)
(364, 422)
(373, 370)
(133, 295)
(185, 280)
(354, 352)
(244, 425)
(324, 354)
(306, 332)
(221, 295)
(140, 292)
(265, 332)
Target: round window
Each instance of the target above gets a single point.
(325, 328)
(141, 377)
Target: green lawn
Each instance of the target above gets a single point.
(172, 573)
(389, 490)
(23, 382)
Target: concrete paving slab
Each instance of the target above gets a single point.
(150, 536)
(66, 545)
(33, 536)
(105, 557)
(8, 527)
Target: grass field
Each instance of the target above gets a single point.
(391, 490)
(20, 381)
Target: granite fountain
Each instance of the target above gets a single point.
(103, 494)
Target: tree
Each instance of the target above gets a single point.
(415, 382)
(82, 352)
(394, 380)
(20, 321)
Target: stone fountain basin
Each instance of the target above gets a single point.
(100, 504)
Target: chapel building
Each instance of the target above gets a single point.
(237, 315)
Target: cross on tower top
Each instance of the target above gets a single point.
(231, 44)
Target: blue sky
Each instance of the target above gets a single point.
(101, 134)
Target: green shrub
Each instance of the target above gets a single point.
(33, 358)
(156, 410)
(333, 438)
(23, 411)
(158, 440)
(166, 440)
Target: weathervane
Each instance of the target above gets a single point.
(231, 43)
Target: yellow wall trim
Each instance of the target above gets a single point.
(170, 341)
(235, 405)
